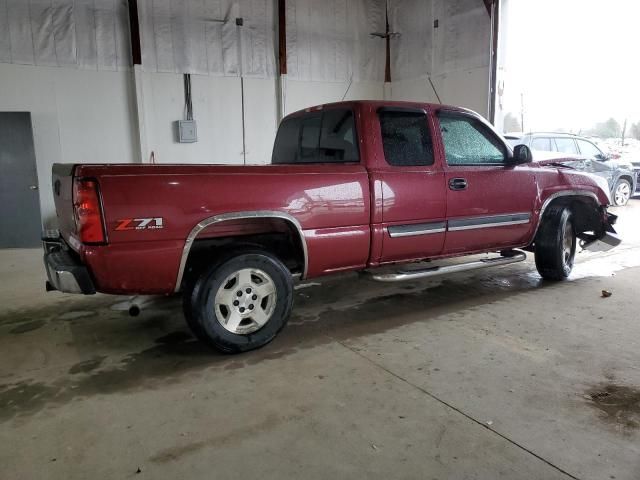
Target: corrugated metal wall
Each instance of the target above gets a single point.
(326, 40)
(91, 34)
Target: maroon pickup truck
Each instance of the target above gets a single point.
(352, 186)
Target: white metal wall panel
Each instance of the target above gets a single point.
(258, 38)
(42, 31)
(84, 33)
(105, 25)
(20, 36)
(65, 35)
(448, 63)
(327, 40)
(331, 40)
(5, 38)
(201, 37)
(461, 42)
(411, 25)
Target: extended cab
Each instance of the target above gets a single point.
(353, 186)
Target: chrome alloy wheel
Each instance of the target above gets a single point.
(622, 193)
(567, 244)
(245, 301)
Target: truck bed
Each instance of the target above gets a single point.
(330, 203)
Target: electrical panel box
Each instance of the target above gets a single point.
(187, 131)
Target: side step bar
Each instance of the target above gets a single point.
(513, 256)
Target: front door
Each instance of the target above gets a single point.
(20, 225)
(489, 202)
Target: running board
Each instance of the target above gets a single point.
(514, 256)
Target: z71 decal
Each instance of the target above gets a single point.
(140, 224)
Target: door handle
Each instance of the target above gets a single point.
(33, 187)
(457, 184)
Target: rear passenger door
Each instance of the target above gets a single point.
(489, 200)
(408, 187)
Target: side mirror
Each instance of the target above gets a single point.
(521, 154)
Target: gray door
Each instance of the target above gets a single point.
(20, 224)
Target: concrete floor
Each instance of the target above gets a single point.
(493, 374)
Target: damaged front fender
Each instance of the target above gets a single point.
(604, 242)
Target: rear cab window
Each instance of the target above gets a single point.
(327, 136)
(405, 137)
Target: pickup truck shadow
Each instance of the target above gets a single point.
(155, 349)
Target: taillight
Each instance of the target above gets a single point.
(87, 211)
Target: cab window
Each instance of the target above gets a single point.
(318, 137)
(285, 147)
(467, 141)
(405, 137)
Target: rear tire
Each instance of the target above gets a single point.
(241, 302)
(555, 244)
(621, 193)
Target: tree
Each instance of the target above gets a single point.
(609, 129)
(634, 131)
(511, 123)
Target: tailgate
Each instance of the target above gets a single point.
(62, 184)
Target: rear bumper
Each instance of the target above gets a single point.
(65, 272)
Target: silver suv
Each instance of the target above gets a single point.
(620, 176)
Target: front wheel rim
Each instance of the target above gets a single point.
(567, 244)
(623, 192)
(245, 301)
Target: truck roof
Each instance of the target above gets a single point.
(378, 104)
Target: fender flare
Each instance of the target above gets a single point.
(562, 193)
(195, 231)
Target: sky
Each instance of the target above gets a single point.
(577, 62)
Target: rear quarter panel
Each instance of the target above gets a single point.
(331, 202)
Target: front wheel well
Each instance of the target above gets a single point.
(627, 178)
(587, 213)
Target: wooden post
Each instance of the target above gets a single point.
(387, 37)
(282, 36)
(134, 28)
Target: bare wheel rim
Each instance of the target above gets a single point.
(567, 243)
(622, 193)
(245, 301)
